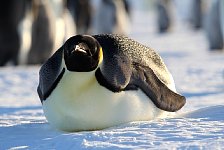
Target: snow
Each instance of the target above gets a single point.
(198, 74)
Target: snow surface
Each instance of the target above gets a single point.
(198, 74)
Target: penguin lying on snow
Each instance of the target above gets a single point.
(95, 82)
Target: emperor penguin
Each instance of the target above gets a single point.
(163, 15)
(43, 32)
(11, 13)
(213, 27)
(112, 16)
(100, 81)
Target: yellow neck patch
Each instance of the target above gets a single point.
(100, 55)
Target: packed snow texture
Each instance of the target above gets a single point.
(198, 74)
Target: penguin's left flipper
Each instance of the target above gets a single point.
(164, 98)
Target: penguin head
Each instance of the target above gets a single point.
(82, 53)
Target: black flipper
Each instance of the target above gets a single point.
(50, 74)
(158, 92)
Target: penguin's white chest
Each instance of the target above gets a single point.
(80, 103)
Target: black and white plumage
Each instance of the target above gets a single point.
(213, 27)
(124, 81)
(112, 16)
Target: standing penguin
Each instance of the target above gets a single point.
(111, 17)
(11, 13)
(95, 82)
(81, 11)
(163, 18)
(43, 32)
(196, 14)
(213, 26)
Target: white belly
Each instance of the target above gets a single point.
(80, 103)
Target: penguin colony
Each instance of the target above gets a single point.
(95, 82)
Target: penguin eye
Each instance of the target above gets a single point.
(89, 53)
(91, 49)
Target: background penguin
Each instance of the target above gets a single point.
(45, 27)
(222, 17)
(95, 82)
(213, 26)
(11, 14)
(81, 11)
(43, 32)
(111, 16)
(163, 18)
(196, 14)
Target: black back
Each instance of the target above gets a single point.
(129, 65)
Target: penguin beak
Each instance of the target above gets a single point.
(82, 49)
(78, 48)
